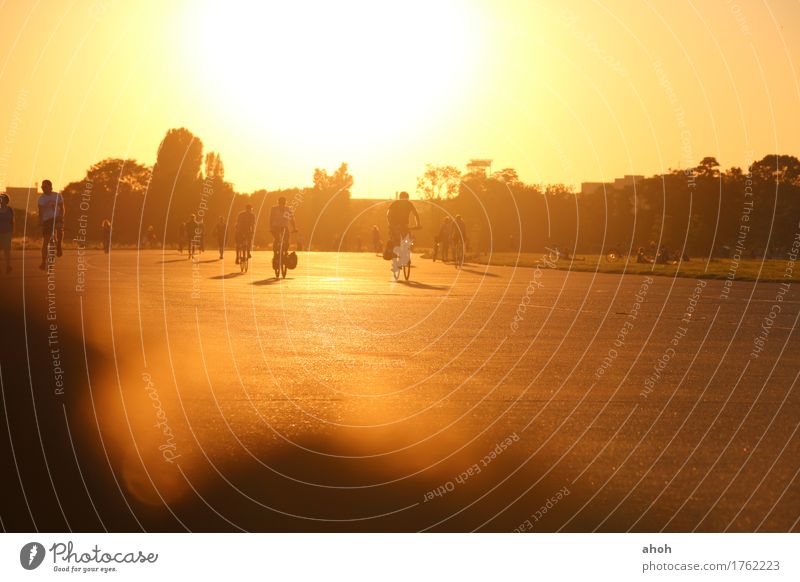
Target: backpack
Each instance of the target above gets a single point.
(291, 260)
(388, 251)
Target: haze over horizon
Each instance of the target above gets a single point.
(563, 93)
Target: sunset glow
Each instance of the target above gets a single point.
(562, 92)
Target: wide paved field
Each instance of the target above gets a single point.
(144, 391)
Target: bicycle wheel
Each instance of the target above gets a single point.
(284, 268)
(395, 270)
(407, 271)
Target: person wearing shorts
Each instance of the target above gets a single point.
(51, 219)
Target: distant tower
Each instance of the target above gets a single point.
(480, 166)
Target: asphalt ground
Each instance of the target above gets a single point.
(144, 391)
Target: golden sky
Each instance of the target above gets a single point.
(563, 91)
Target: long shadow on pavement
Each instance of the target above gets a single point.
(418, 285)
(227, 276)
(482, 273)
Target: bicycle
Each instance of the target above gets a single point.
(402, 256)
(279, 259)
(243, 250)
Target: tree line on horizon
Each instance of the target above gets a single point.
(699, 211)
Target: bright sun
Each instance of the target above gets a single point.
(332, 73)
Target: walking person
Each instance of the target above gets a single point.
(152, 239)
(6, 229)
(445, 233)
(458, 240)
(51, 219)
(221, 229)
(200, 232)
(376, 239)
(181, 236)
(106, 235)
(190, 227)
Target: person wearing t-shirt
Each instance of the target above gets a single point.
(6, 229)
(51, 219)
(398, 216)
(281, 218)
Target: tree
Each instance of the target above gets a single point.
(734, 173)
(330, 205)
(438, 182)
(176, 186)
(112, 189)
(776, 168)
(217, 195)
(708, 168)
(506, 175)
(214, 166)
(339, 181)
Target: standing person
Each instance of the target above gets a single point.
(245, 227)
(6, 229)
(106, 235)
(376, 239)
(280, 218)
(51, 219)
(200, 233)
(152, 239)
(189, 228)
(445, 231)
(181, 236)
(221, 229)
(458, 239)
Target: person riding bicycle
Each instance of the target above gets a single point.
(280, 218)
(397, 216)
(245, 226)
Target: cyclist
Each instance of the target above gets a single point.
(443, 239)
(397, 216)
(51, 218)
(280, 218)
(245, 226)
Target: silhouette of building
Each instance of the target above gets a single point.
(480, 166)
(19, 197)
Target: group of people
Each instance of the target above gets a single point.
(281, 223)
(452, 235)
(191, 234)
